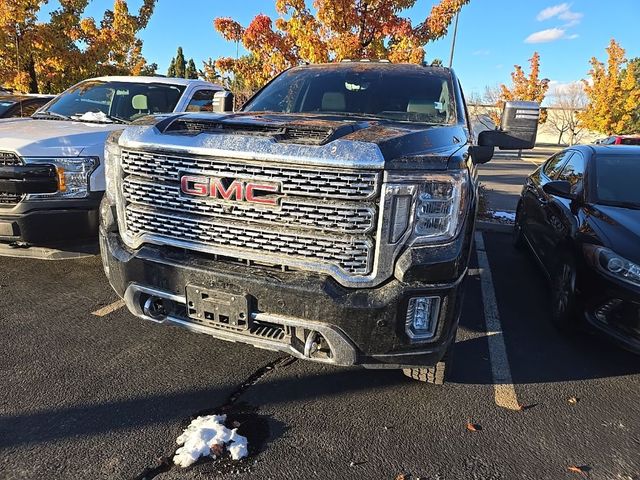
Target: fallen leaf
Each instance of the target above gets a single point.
(582, 470)
(216, 449)
(573, 400)
(473, 427)
(401, 476)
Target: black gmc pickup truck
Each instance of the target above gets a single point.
(331, 218)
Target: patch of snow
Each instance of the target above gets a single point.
(208, 436)
(94, 117)
(511, 216)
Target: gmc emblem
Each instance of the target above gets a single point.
(230, 189)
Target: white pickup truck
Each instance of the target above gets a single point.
(51, 165)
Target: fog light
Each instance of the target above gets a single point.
(422, 317)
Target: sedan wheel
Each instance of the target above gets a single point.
(563, 296)
(518, 238)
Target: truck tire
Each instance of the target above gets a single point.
(434, 375)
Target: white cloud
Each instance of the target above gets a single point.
(548, 35)
(553, 11)
(558, 88)
(482, 52)
(563, 12)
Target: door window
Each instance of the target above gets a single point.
(573, 172)
(554, 165)
(202, 101)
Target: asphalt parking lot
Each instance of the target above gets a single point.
(91, 397)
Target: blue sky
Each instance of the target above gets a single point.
(491, 38)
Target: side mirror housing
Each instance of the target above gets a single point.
(559, 188)
(518, 128)
(481, 154)
(222, 102)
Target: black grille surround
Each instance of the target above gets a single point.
(9, 159)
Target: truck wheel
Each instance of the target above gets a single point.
(434, 375)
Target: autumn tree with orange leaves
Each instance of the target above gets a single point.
(49, 56)
(339, 29)
(613, 93)
(524, 87)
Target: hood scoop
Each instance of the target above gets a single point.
(307, 134)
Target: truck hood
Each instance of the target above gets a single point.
(316, 138)
(49, 138)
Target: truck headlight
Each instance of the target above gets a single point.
(112, 165)
(73, 176)
(612, 264)
(440, 206)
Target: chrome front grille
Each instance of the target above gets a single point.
(8, 159)
(337, 184)
(325, 221)
(350, 254)
(293, 212)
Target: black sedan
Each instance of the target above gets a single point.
(12, 106)
(580, 215)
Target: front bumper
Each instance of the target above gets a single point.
(57, 224)
(612, 307)
(359, 326)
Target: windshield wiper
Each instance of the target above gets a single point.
(46, 115)
(117, 119)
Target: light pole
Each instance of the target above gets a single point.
(453, 43)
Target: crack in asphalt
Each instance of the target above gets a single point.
(165, 464)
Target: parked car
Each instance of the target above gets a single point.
(331, 218)
(51, 165)
(619, 140)
(580, 215)
(16, 106)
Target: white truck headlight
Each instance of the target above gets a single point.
(440, 206)
(612, 264)
(73, 176)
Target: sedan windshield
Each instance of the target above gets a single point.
(113, 101)
(400, 94)
(617, 180)
(5, 105)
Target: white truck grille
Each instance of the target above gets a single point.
(324, 218)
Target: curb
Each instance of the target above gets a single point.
(494, 227)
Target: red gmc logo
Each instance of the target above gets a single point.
(229, 189)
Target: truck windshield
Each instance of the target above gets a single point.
(105, 101)
(617, 180)
(384, 91)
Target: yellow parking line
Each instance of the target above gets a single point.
(109, 309)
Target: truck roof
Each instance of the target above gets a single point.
(151, 79)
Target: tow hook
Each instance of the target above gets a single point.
(154, 307)
(311, 345)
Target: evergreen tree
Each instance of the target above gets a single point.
(191, 71)
(180, 64)
(172, 68)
